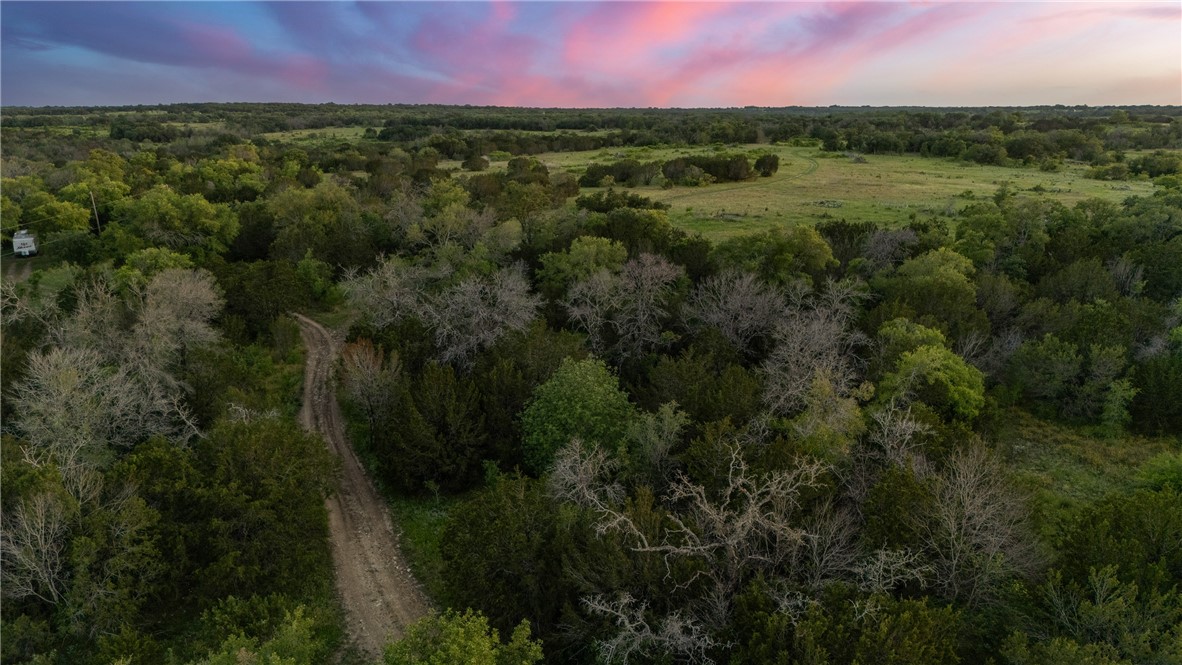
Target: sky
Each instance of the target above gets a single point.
(592, 54)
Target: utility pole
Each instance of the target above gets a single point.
(97, 222)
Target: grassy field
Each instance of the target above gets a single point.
(314, 135)
(1066, 467)
(812, 186)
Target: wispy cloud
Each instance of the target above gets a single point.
(594, 53)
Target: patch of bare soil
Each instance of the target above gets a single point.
(380, 596)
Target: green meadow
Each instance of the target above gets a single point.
(813, 186)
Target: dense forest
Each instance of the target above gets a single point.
(955, 438)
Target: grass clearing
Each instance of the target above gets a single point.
(1066, 467)
(314, 135)
(812, 186)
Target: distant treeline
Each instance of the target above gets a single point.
(1074, 132)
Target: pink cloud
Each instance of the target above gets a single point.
(305, 72)
(481, 57)
(639, 53)
(616, 37)
(215, 43)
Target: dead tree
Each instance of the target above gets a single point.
(478, 311)
(624, 314)
(975, 536)
(814, 338)
(740, 305)
(33, 541)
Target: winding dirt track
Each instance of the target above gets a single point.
(380, 596)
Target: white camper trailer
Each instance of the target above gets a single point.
(24, 243)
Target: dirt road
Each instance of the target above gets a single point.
(16, 270)
(376, 588)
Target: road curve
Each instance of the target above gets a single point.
(380, 596)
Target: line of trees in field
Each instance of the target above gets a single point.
(776, 448)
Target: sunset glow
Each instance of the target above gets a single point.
(594, 54)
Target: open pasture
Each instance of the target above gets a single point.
(317, 134)
(812, 186)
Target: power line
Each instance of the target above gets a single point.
(23, 223)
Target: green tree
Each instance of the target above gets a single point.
(1018, 650)
(586, 256)
(43, 213)
(767, 165)
(235, 177)
(939, 378)
(462, 639)
(937, 286)
(502, 553)
(475, 162)
(1046, 369)
(520, 201)
(899, 336)
(1101, 620)
(138, 268)
(582, 400)
(894, 632)
(779, 256)
(1156, 407)
(434, 432)
(1139, 534)
(707, 388)
(325, 219)
(293, 642)
(231, 508)
(188, 223)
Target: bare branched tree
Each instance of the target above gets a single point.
(1128, 276)
(712, 542)
(32, 542)
(885, 248)
(651, 439)
(581, 475)
(739, 304)
(16, 307)
(752, 523)
(71, 409)
(1158, 342)
(464, 318)
(993, 358)
(389, 292)
(830, 550)
(368, 379)
(675, 634)
(459, 225)
(99, 322)
(814, 337)
(624, 314)
(976, 536)
(591, 303)
(478, 311)
(886, 569)
(895, 435)
(173, 318)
